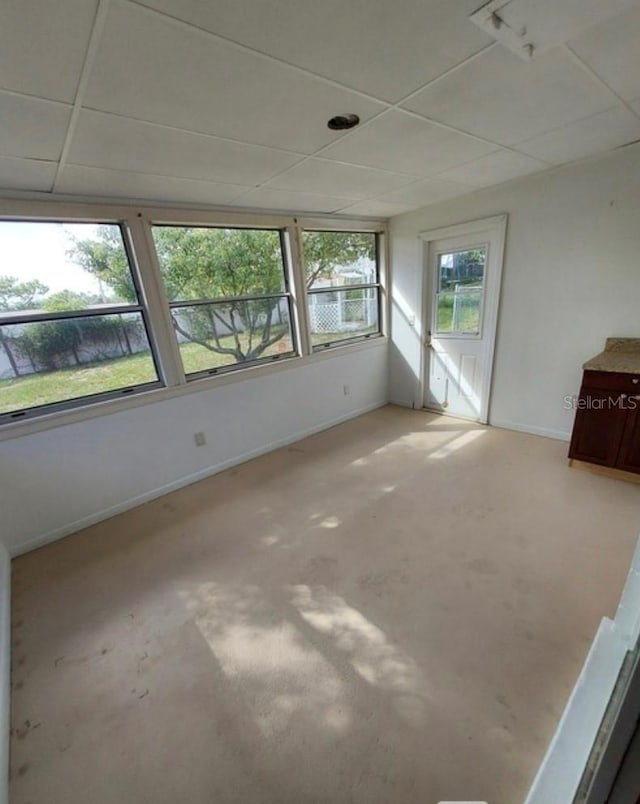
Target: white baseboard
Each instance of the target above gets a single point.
(5, 670)
(403, 403)
(506, 424)
(133, 502)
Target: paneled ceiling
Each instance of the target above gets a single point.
(226, 102)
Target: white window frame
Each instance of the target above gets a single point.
(309, 292)
(136, 222)
(459, 333)
(286, 294)
(19, 317)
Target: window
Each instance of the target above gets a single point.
(343, 286)
(98, 303)
(72, 325)
(459, 293)
(228, 293)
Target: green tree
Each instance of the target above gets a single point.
(325, 251)
(105, 258)
(14, 296)
(47, 342)
(65, 300)
(224, 265)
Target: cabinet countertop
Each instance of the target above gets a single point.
(620, 355)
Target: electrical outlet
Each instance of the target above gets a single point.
(346, 389)
(199, 439)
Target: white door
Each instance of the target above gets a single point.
(463, 266)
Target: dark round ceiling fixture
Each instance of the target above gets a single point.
(341, 122)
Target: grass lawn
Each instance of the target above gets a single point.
(34, 390)
(468, 315)
(318, 338)
(45, 388)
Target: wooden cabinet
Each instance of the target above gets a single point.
(606, 430)
(629, 455)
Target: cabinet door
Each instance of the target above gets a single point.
(599, 425)
(629, 455)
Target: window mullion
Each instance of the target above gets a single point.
(384, 282)
(295, 258)
(164, 343)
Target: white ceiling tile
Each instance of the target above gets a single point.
(283, 200)
(405, 143)
(43, 45)
(597, 133)
(32, 128)
(26, 174)
(107, 141)
(427, 192)
(377, 208)
(153, 69)
(384, 49)
(612, 50)
(506, 100)
(348, 181)
(493, 169)
(80, 180)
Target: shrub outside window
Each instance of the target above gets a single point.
(228, 294)
(343, 286)
(72, 324)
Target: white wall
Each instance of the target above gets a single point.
(57, 481)
(571, 279)
(5, 636)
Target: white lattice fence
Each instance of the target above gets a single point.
(341, 315)
(325, 317)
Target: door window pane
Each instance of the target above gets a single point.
(460, 283)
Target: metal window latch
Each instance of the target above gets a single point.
(427, 342)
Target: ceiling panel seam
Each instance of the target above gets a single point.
(590, 71)
(92, 48)
(15, 94)
(153, 174)
(193, 131)
(191, 27)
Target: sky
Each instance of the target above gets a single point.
(38, 251)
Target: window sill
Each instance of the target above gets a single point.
(107, 407)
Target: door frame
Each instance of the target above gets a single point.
(494, 230)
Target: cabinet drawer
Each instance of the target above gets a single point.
(611, 380)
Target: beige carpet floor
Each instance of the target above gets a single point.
(388, 612)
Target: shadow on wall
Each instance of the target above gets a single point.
(405, 353)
